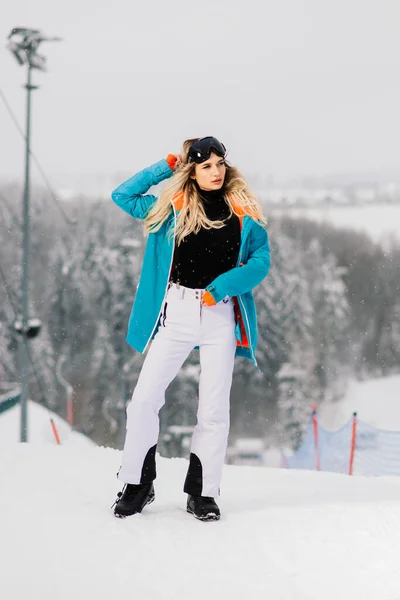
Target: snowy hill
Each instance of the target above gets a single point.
(379, 222)
(39, 428)
(376, 401)
(284, 535)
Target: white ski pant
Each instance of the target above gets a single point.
(184, 324)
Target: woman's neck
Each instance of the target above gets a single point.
(211, 195)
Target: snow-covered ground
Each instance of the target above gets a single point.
(284, 535)
(379, 221)
(376, 401)
(39, 428)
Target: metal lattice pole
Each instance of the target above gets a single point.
(24, 363)
(24, 43)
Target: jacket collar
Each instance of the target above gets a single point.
(239, 210)
(177, 200)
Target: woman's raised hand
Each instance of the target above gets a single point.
(174, 161)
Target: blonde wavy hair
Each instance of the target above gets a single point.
(192, 217)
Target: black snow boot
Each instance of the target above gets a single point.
(203, 507)
(133, 499)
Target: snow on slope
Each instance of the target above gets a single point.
(39, 428)
(284, 535)
(376, 401)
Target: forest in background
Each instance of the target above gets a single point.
(328, 311)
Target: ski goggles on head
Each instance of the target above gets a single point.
(201, 150)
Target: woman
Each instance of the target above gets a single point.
(205, 252)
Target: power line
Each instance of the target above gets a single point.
(18, 223)
(53, 195)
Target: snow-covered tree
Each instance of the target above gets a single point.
(298, 391)
(330, 320)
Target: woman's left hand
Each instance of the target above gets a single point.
(207, 299)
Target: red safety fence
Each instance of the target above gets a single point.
(357, 448)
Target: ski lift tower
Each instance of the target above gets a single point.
(24, 44)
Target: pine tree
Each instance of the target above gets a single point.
(297, 393)
(330, 322)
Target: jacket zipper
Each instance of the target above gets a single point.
(247, 319)
(166, 287)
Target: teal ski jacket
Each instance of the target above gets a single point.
(252, 266)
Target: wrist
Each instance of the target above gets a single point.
(172, 160)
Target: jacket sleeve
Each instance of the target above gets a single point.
(131, 195)
(242, 279)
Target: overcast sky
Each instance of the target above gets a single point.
(292, 87)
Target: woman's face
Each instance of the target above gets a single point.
(210, 175)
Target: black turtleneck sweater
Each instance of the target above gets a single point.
(201, 257)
